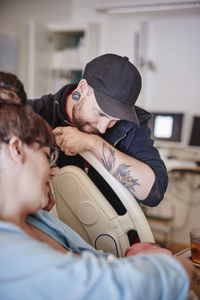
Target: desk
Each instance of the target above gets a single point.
(176, 164)
(195, 170)
(179, 211)
(194, 181)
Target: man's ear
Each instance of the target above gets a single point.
(83, 87)
(16, 149)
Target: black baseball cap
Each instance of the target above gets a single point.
(116, 83)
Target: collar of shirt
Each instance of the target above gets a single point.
(71, 121)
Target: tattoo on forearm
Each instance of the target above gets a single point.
(123, 172)
(108, 159)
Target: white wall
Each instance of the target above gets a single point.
(174, 86)
(174, 47)
(171, 42)
(15, 16)
(43, 11)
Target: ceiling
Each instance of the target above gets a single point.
(141, 6)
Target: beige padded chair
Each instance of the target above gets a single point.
(82, 206)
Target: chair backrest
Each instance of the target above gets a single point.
(83, 207)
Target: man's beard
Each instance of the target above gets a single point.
(81, 124)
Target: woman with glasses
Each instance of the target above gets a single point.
(41, 257)
(28, 154)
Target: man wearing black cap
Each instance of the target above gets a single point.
(99, 114)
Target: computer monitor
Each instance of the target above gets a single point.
(195, 132)
(166, 126)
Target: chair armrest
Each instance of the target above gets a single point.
(128, 200)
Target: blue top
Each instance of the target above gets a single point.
(30, 269)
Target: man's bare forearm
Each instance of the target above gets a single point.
(122, 172)
(132, 173)
(136, 176)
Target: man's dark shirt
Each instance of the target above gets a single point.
(127, 137)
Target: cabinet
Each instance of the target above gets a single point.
(68, 57)
(71, 49)
(61, 56)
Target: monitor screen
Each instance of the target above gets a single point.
(166, 126)
(195, 132)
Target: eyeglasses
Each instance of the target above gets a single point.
(54, 153)
(52, 157)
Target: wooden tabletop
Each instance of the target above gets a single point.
(189, 170)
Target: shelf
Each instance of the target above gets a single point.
(66, 39)
(68, 56)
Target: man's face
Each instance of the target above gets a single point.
(88, 117)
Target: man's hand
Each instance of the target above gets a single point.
(135, 175)
(71, 140)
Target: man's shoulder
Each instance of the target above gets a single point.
(57, 95)
(143, 115)
(64, 91)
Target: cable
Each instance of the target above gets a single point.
(105, 234)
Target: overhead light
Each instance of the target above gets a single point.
(150, 7)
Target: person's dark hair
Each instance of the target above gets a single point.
(22, 121)
(12, 89)
(17, 117)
